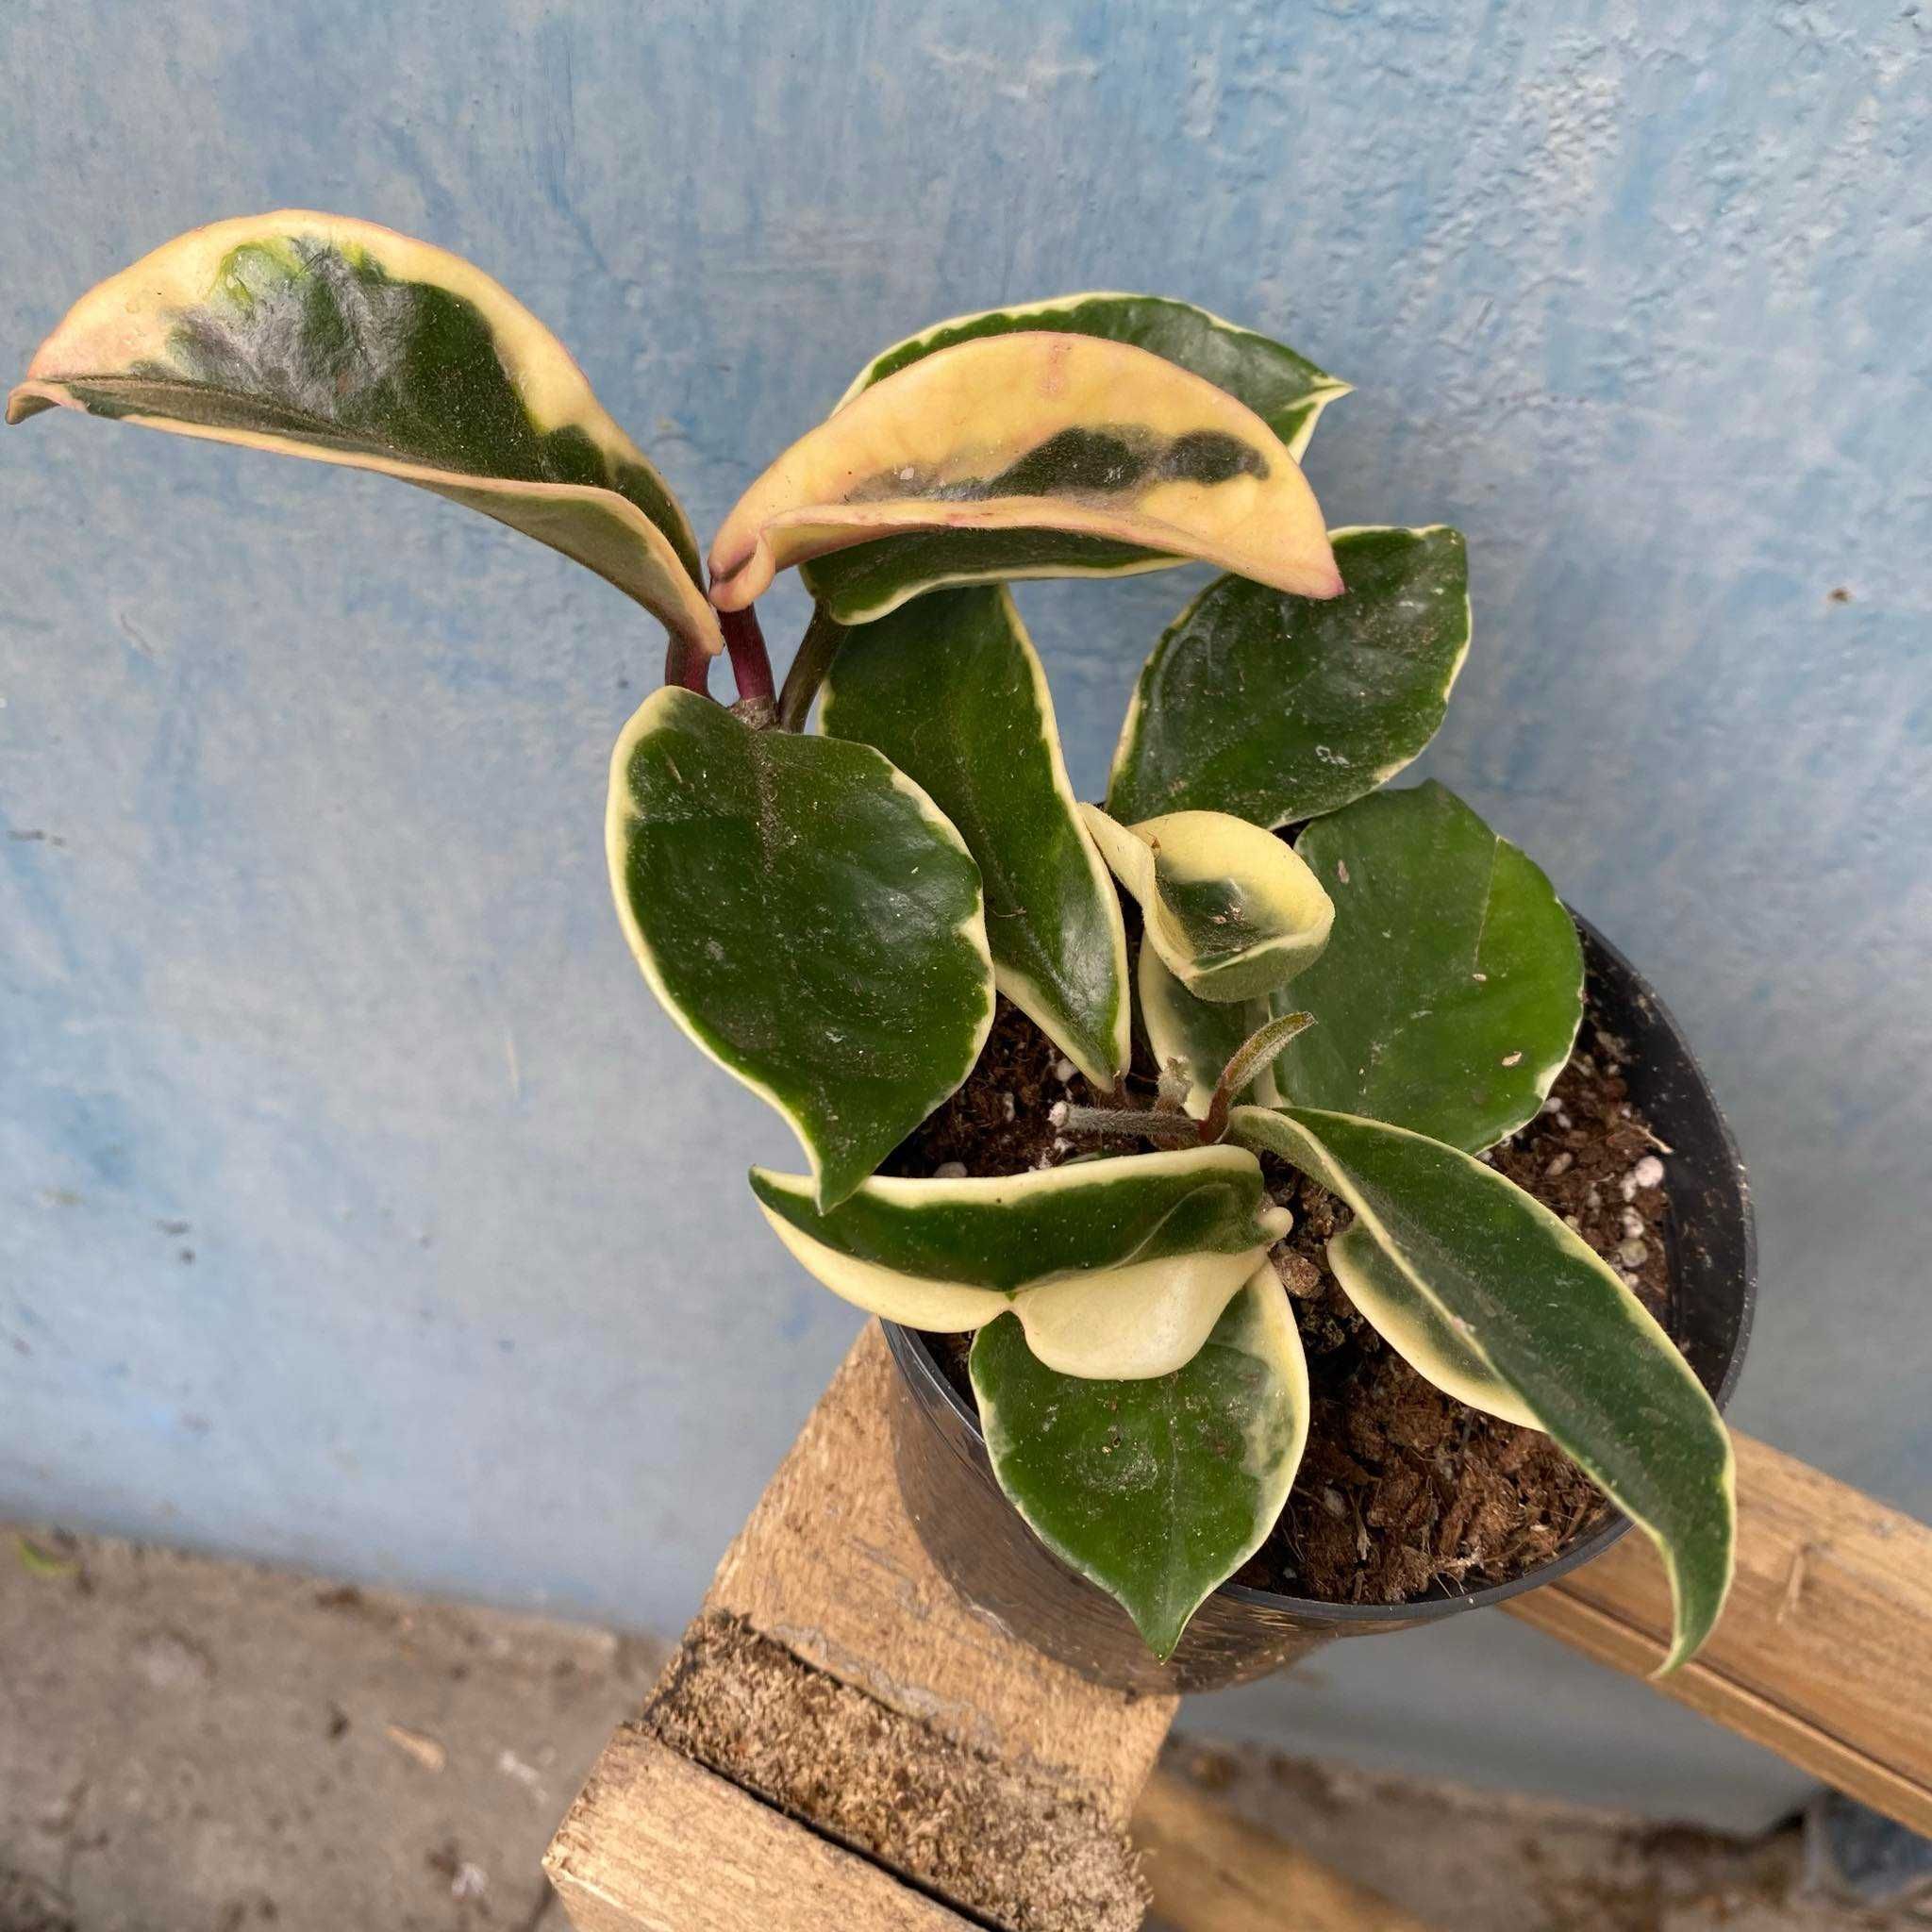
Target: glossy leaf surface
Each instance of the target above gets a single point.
(1285, 389)
(1476, 1283)
(1157, 1491)
(807, 916)
(1036, 432)
(1452, 990)
(1276, 708)
(952, 692)
(316, 336)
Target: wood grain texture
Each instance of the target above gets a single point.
(1825, 1651)
(655, 1843)
(1213, 1872)
(829, 1565)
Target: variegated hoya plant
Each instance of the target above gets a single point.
(829, 915)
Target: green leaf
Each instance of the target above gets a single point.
(1451, 989)
(1285, 389)
(1231, 909)
(1485, 1291)
(313, 335)
(805, 913)
(1157, 1491)
(1198, 1036)
(1035, 432)
(1116, 1267)
(954, 695)
(1275, 707)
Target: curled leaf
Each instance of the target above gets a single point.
(1157, 1491)
(953, 693)
(1485, 1291)
(807, 916)
(1116, 1268)
(1287, 391)
(1036, 432)
(317, 335)
(1232, 911)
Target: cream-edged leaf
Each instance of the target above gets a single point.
(1198, 1036)
(1277, 707)
(1038, 432)
(1232, 911)
(1117, 1268)
(1453, 987)
(1492, 1296)
(1157, 1489)
(1287, 391)
(316, 336)
(951, 691)
(807, 916)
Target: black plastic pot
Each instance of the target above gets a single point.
(989, 1555)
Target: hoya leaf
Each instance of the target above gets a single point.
(316, 336)
(952, 692)
(1233, 913)
(1157, 1491)
(1198, 1036)
(1451, 989)
(1276, 708)
(1285, 389)
(1485, 1291)
(807, 916)
(1036, 432)
(1116, 1268)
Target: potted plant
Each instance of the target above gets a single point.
(1150, 1103)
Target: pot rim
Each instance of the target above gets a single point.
(920, 1367)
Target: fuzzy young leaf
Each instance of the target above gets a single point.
(1275, 707)
(1485, 1291)
(1451, 989)
(952, 692)
(1198, 1036)
(1036, 432)
(1155, 1490)
(1232, 911)
(1285, 389)
(1116, 1268)
(807, 916)
(316, 336)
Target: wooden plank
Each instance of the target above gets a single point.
(1825, 1652)
(1213, 1872)
(829, 1565)
(655, 1843)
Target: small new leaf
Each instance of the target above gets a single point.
(1231, 909)
(1485, 1291)
(952, 692)
(1036, 432)
(1285, 389)
(1115, 1268)
(1451, 989)
(807, 916)
(1277, 708)
(1197, 1035)
(316, 336)
(1157, 1491)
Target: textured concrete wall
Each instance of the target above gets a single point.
(357, 1204)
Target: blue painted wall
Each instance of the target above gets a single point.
(357, 1207)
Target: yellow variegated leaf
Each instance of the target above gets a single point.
(1232, 911)
(1036, 432)
(316, 336)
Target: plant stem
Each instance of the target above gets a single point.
(688, 664)
(1142, 1123)
(751, 668)
(816, 650)
(1251, 1059)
